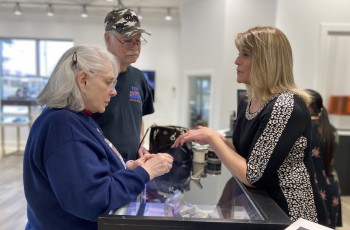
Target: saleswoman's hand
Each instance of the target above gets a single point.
(201, 135)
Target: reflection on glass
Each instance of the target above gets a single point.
(234, 204)
(199, 101)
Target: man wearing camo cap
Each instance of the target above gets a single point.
(122, 122)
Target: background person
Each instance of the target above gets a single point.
(270, 146)
(323, 144)
(71, 172)
(122, 121)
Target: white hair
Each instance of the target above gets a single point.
(62, 91)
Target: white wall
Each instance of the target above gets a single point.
(202, 32)
(209, 27)
(301, 21)
(162, 54)
(207, 33)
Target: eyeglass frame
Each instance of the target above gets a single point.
(130, 43)
(110, 85)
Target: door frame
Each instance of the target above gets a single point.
(193, 74)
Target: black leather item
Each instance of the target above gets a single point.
(163, 137)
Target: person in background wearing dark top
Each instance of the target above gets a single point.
(270, 147)
(323, 143)
(122, 121)
(72, 174)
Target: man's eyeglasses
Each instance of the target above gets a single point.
(131, 43)
(110, 83)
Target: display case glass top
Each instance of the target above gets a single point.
(196, 195)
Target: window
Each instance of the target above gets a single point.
(26, 64)
(18, 57)
(50, 54)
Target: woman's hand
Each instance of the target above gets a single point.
(158, 164)
(142, 151)
(139, 162)
(201, 135)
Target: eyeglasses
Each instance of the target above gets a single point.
(130, 43)
(110, 83)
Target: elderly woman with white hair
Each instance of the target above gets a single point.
(72, 173)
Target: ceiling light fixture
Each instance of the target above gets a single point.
(50, 7)
(49, 11)
(168, 16)
(84, 13)
(18, 10)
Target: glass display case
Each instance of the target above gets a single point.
(18, 96)
(198, 196)
(21, 88)
(18, 106)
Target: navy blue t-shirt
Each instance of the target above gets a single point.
(121, 122)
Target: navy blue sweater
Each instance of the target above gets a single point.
(71, 175)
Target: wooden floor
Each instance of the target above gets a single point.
(13, 204)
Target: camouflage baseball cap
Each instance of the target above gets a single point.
(124, 21)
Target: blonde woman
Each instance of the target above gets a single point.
(270, 146)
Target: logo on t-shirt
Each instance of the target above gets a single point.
(135, 94)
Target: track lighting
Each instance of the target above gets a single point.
(84, 13)
(49, 11)
(53, 8)
(18, 10)
(168, 16)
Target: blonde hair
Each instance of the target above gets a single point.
(272, 63)
(62, 91)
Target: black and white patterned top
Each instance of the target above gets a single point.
(275, 141)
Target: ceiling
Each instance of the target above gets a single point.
(128, 3)
(94, 7)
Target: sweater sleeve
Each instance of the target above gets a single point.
(85, 185)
